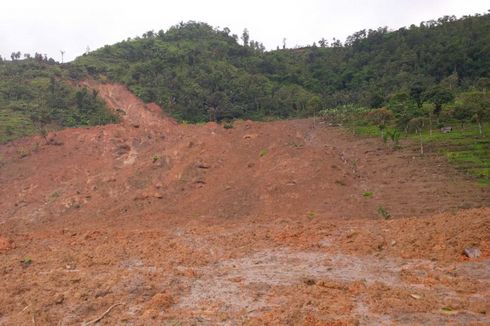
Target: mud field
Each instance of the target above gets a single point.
(148, 222)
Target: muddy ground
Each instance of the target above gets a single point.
(262, 223)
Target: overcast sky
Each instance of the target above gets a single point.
(48, 26)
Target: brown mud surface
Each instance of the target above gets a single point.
(263, 223)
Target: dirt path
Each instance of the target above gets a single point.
(264, 223)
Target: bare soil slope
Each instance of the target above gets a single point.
(260, 223)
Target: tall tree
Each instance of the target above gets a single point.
(245, 37)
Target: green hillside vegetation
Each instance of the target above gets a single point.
(198, 73)
(406, 83)
(35, 97)
(395, 84)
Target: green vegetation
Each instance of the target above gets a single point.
(403, 84)
(464, 146)
(384, 213)
(228, 125)
(26, 262)
(198, 73)
(34, 98)
(367, 194)
(263, 152)
(311, 214)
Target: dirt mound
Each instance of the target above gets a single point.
(260, 223)
(255, 271)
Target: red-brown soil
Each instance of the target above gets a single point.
(263, 223)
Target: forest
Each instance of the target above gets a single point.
(199, 73)
(35, 97)
(425, 75)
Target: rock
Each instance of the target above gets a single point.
(59, 299)
(123, 149)
(158, 195)
(158, 185)
(202, 165)
(472, 252)
(102, 293)
(55, 142)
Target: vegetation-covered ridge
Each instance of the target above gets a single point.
(404, 83)
(200, 73)
(36, 97)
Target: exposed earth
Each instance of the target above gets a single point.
(149, 222)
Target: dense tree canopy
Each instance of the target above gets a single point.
(33, 94)
(198, 73)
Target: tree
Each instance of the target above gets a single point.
(438, 96)
(451, 81)
(417, 125)
(245, 37)
(380, 117)
(461, 113)
(15, 55)
(428, 110)
(376, 100)
(314, 104)
(476, 105)
(417, 90)
(483, 84)
(41, 118)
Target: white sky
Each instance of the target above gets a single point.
(48, 26)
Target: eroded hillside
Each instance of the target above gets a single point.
(259, 223)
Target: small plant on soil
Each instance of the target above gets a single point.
(395, 138)
(311, 215)
(52, 197)
(155, 158)
(340, 182)
(367, 194)
(384, 213)
(228, 125)
(23, 152)
(295, 145)
(263, 152)
(26, 261)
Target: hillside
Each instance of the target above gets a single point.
(34, 94)
(133, 216)
(199, 73)
(286, 222)
(437, 70)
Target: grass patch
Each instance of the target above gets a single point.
(464, 147)
(384, 213)
(263, 152)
